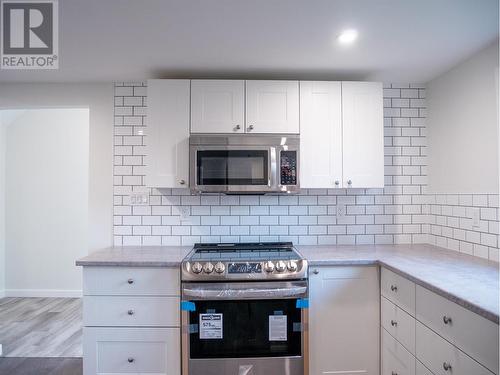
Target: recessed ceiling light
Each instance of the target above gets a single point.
(347, 36)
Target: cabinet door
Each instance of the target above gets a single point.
(363, 134)
(344, 320)
(131, 350)
(167, 139)
(395, 358)
(217, 106)
(272, 107)
(321, 134)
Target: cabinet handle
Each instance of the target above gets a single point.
(130, 281)
(182, 182)
(130, 312)
(337, 182)
(394, 288)
(394, 373)
(394, 323)
(131, 360)
(446, 366)
(315, 272)
(446, 319)
(250, 127)
(237, 127)
(349, 182)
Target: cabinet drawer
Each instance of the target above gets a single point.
(398, 290)
(395, 358)
(420, 369)
(475, 335)
(131, 350)
(398, 323)
(116, 281)
(118, 311)
(441, 357)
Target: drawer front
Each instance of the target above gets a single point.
(104, 311)
(442, 358)
(396, 360)
(422, 370)
(398, 290)
(398, 323)
(131, 351)
(117, 281)
(475, 335)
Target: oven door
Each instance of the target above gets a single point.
(236, 169)
(244, 328)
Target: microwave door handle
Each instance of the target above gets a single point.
(273, 166)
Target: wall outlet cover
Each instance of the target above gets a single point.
(476, 215)
(340, 210)
(139, 199)
(184, 212)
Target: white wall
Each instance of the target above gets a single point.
(462, 127)
(46, 201)
(98, 98)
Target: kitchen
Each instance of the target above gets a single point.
(301, 190)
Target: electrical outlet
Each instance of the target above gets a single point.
(184, 212)
(139, 199)
(476, 214)
(340, 210)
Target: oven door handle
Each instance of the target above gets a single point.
(217, 293)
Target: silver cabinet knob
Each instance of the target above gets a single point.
(219, 267)
(349, 182)
(130, 312)
(182, 182)
(130, 360)
(208, 267)
(269, 266)
(394, 288)
(316, 272)
(394, 323)
(446, 366)
(292, 266)
(446, 319)
(280, 266)
(394, 373)
(337, 182)
(237, 127)
(197, 267)
(250, 127)
(130, 281)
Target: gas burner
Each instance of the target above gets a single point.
(244, 261)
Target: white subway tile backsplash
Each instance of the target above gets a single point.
(402, 212)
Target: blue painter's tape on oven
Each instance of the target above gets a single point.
(188, 306)
(302, 303)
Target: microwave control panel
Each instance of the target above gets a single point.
(288, 167)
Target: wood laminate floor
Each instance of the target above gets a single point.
(40, 366)
(39, 328)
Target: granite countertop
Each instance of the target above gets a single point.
(469, 281)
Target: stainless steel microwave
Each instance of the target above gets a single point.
(244, 164)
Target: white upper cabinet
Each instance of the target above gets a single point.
(167, 140)
(272, 107)
(217, 106)
(363, 134)
(320, 134)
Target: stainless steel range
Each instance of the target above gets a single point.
(244, 310)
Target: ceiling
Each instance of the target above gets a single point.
(399, 40)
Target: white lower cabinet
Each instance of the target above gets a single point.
(398, 323)
(420, 369)
(344, 320)
(131, 351)
(396, 360)
(441, 357)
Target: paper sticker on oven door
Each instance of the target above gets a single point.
(210, 326)
(277, 328)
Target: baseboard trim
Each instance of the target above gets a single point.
(42, 293)
(2, 293)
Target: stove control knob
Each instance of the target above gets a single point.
(220, 267)
(196, 267)
(208, 267)
(292, 266)
(281, 266)
(269, 266)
